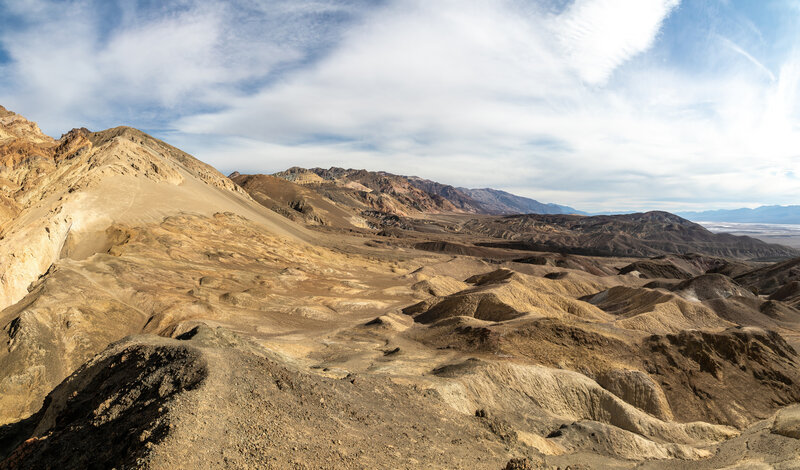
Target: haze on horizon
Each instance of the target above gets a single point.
(597, 104)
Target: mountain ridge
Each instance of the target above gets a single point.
(400, 209)
(444, 197)
(504, 200)
(775, 214)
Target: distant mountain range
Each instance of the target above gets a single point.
(501, 202)
(407, 194)
(759, 215)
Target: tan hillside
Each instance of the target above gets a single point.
(64, 203)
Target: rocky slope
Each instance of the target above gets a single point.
(212, 400)
(299, 202)
(383, 192)
(770, 279)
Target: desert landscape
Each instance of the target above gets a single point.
(158, 314)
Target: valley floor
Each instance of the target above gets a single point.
(784, 234)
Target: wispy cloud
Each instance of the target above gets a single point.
(577, 102)
(735, 48)
(599, 35)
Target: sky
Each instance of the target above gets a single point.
(604, 105)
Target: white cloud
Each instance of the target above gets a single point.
(560, 104)
(597, 36)
(183, 56)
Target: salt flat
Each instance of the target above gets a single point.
(784, 234)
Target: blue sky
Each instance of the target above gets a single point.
(599, 104)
